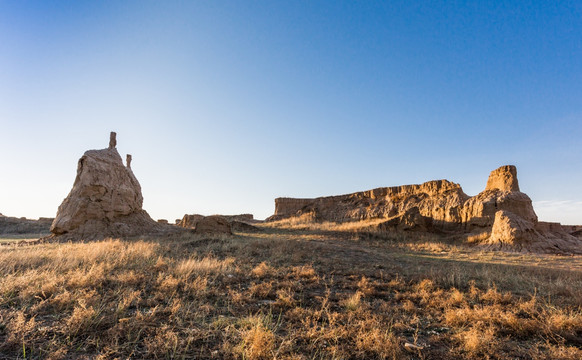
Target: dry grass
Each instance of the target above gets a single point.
(305, 222)
(287, 294)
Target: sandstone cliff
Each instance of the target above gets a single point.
(440, 200)
(441, 206)
(105, 200)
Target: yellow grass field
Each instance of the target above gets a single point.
(291, 291)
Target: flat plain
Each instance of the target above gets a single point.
(289, 291)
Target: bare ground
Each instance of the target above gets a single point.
(287, 293)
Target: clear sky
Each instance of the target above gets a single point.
(226, 105)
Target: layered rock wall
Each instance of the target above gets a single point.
(441, 206)
(440, 200)
(289, 206)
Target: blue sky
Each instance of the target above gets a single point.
(227, 105)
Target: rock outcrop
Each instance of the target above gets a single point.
(441, 206)
(511, 231)
(214, 224)
(105, 200)
(503, 178)
(19, 226)
(190, 221)
(219, 224)
(440, 200)
(501, 193)
(249, 218)
(411, 220)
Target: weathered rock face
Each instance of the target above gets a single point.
(240, 217)
(501, 193)
(218, 224)
(480, 210)
(285, 207)
(14, 225)
(412, 219)
(214, 224)
(503, 178)
(440, 200)
(442, 206)
(105, 200)
(511, 229)
(190, 221)
(444, 202)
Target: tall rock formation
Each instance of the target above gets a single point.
(105, 200)
(501, 193)
(503, 178)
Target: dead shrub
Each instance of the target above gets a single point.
(366, 287)
(127, 299)
(197, 286)
(285, 297)
(353, 302)
(258, 341)
(261, 290)
(455, 298)
(377, 342)
(164, 343)
(478, 341)
(81, 319)
(262, 270)
(20, 328)
(495, 297)
(304, 272)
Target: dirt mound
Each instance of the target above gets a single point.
(105, 200)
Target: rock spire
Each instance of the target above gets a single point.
(105, 200)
